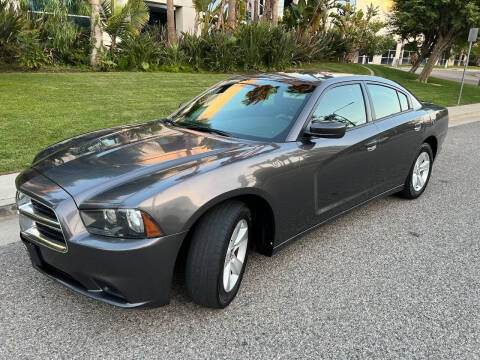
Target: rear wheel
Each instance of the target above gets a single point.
(218, 254)
(419, 175)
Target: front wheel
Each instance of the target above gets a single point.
(419, 174)
(218, 254)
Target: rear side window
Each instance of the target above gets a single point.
(403, 101)
(385, 100)
(344, 104)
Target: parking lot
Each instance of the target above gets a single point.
(393, 279)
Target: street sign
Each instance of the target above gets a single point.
(472, 37)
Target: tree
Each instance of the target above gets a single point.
(308, 15)
(357, 27)
(275, 12)
(255, 10)
(267, 10)
(411, 24)
(204, 7)
(232, 17)
(172, 36)
(119, 21)
(423, 51)
(442, 22)
(96, 32)
(220, 14)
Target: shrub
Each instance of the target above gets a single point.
(193, 48)
(251, 46)
(219, 51)
(107, 61)
(174, 56)
(32, 55)
(313, 47)
(68, 42)
(141, 51)
(253, 41)
(11, 23)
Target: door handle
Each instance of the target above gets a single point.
(372, 145)
(418, 126)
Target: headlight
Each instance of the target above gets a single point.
(21, 199)
(125, 223)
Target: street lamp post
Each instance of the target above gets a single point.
(472, 37)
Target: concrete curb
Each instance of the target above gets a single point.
(459, 115)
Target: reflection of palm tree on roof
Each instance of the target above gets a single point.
(300, 89)
(259, 93)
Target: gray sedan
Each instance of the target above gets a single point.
(251, 163)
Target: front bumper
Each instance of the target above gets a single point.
(130, 274)
(122, 272)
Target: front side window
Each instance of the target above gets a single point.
(344, 104)
(256, 109)
(385, 100)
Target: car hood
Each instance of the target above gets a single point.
(97, 162)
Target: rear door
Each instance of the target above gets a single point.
(400, 133)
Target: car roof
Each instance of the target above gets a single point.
(315, 77)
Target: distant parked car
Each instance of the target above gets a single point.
(252, 162)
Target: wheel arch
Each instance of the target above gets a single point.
(263, 217)
(433, 142)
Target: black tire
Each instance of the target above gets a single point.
(207, 253)
(409, 191)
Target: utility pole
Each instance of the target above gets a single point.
(472, 37)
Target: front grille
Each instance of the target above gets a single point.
(41, 209)
(40, 224)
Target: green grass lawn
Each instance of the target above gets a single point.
(38, 109)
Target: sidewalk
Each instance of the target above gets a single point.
(7, 194)
(459, 115)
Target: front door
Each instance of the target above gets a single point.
(341, 171)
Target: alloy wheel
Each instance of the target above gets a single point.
(235, 257)
(421, 170)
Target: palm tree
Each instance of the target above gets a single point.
(172, 36)
(232, 20)
(204, 7)
(274, 12)
(220, 14)
(255, 10)
(267, 10)
(96, 32)
(118, 21)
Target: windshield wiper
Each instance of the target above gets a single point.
(168, 121)
(207, 129)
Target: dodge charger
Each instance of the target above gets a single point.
(251, 163)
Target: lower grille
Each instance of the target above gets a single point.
(39, 223)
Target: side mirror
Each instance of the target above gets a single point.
(327, 129)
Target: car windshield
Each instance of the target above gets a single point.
(255, 109)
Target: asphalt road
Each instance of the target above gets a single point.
(393, 279)
(471, 77)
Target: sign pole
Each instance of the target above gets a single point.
(472, 37)
(464, 71)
